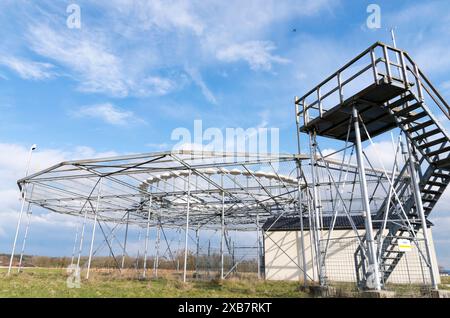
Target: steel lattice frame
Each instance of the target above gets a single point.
(252, 185)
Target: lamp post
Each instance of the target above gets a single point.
(23, 194)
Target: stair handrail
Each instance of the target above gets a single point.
(433, 93)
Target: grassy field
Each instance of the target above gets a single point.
(52, 283)
(49, 283)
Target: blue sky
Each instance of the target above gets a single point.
(136, 70)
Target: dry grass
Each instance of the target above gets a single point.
(47, 283)
(106, 283)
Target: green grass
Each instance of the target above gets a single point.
(445, 283)
(50, 283)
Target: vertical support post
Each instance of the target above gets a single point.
(209, 256)
(158, 241)
(233, 260)
(80, 249)
(187, 226)
(374, 66)
(305, 112)
(93, 228)
(197, 250)
(75, 245)
(258, 254)
(419, 206)
(138, 251)
(179, 249)
(125, 240)
(26, 232)
(315, 208)
(147, 233)
(373, 262)
(387, 63)
(25, 236)
(418, 82)
(299, 175)
(341, 91)
(404, 72)
(222, 234)
(302, 233)
(23, 193)
(319, 101)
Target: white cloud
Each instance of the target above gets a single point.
(160, 36)
(164, 14)
(107, 113)
(161, 146)
(13, 162)
(91, 60)
(27, 69)
(198, 80)
(153, 85)
(256, 53)
(98, 68)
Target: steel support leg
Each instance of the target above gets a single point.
(209, 257)
(93, 229)
(258, 246)
(24, 242)
(187, 227)
(125, 241)
(158, 241)
(80, 249)
(17, 231)
(222, 235)
(147, 233)
(316, 209)
(419, 206)
(197, 253)
(75, 245)
(373, 262)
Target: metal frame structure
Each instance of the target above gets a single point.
(201, 190)
(190, 190)
(372, 95)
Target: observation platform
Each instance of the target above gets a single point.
(370, 105)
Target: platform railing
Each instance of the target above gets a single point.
(378, 63)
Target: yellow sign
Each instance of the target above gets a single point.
(404, 245)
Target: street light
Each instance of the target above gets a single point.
(33, 147)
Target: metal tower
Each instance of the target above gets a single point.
(380, 90)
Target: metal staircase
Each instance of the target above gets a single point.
(432, 146)
(386, 99)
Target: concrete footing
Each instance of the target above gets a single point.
(322, 291)
(377, 294)
(440, 293)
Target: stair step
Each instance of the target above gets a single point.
(431, 191)
(401, 101)
(387, 257)
(441, 175)
(407, 110)
(442, 164)
(438, 151)
(414, 117)
(427, 134)
(433, 143)
(435, 183)
(420, 126)
(428, 200)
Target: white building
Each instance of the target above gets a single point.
(283, 257)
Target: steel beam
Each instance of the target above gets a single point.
(373, 262)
